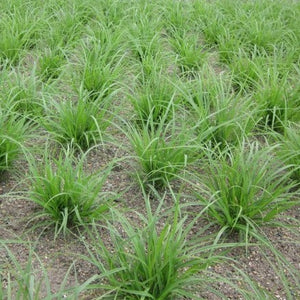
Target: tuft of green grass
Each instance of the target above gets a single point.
(100, 65)
(160, 258)
(150, 66)
(79, 123)
(154, 100)
(219, 116)
(144, 34)
(289, 150)
(190, 53)
(67, 195)
(276, 96)
(155, 260)
(65, 24)
(13, 132)
(50, 64)
(21, 94)
(162, 152)
(19, 31)
(246, 187)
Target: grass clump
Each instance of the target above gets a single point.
(30, 280)
(21, 94)
(19, 31)
(13, 131)
(101, 63)
(154, 101)
(190, 54)
(220, 116)
(67, 195)
(289, 150)
(79, 123)
(50, 64)
(155, 260)
(246, 187)
(162, 153)
(144, 33)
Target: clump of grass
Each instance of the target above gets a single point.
(21, 94)
(65, 26)
(275, 94)
(289, 150)
(144, 34)
(80, 123)
(149, 66)
(162, 152)
(101, 69)
(13, 132)
(247, 69)
(67, 195)
(189, 51)
(246, 187)
(220, 116)
(50, 64)
(154, 100)
(18, 31)
(154, 260)
(176, 16)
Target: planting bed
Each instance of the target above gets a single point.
(149, 149)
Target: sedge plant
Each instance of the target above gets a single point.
(13, 132)
(289, 150)
(155, 260)
(80, 123)
(154, 100)
(100, 65)
(219, 115)
(18, 29)
(246, 187)
(50, 64)
(159, 258)
(144, 34)
(190, 53)
(67, 195)
(21, 94)
(162, 152)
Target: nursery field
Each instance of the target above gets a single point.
(149, 149)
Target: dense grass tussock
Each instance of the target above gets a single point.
(13, 132)
(247, 187)
(67, 195)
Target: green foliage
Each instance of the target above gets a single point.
(189, 78)
(28, 282)
(220, 116)
(246, 187)
(78, 123)
(155, 260)
(100, 65)
(13, 131)
(289, 150)
(144, 34)
(18, 30)
(162, 153)
(191, 54)
(154, 100)
(67, 195)
(50, 64)
(20, 94)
